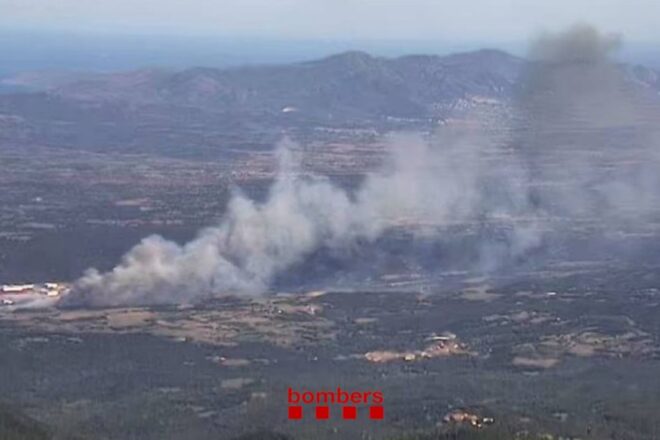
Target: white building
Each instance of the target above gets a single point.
(17, 288)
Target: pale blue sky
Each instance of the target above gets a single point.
(473, 20)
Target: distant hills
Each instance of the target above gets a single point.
(161, 111)
(351, 84)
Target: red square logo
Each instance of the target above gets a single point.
(322, 412)
(376, 412)
(295, 412)
(349, 412)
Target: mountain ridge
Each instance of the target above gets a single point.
(212, 109)
(349, 81)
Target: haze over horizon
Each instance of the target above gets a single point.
(115, 35)
(474, 20)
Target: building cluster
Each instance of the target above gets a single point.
(8, 292)
(441, 346)
(461, 417)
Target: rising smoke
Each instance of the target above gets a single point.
(559, 163)
(589, 139)
(256, 241)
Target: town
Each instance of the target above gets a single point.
(12, 294)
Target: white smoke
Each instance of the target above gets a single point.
(572, 94)
(256, 241)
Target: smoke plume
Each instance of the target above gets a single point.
(256, 241)
(580, 151)
(590, 139)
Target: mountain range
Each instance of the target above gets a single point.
(352, 83)
(158, 110)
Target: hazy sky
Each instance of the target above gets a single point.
(473, 20)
